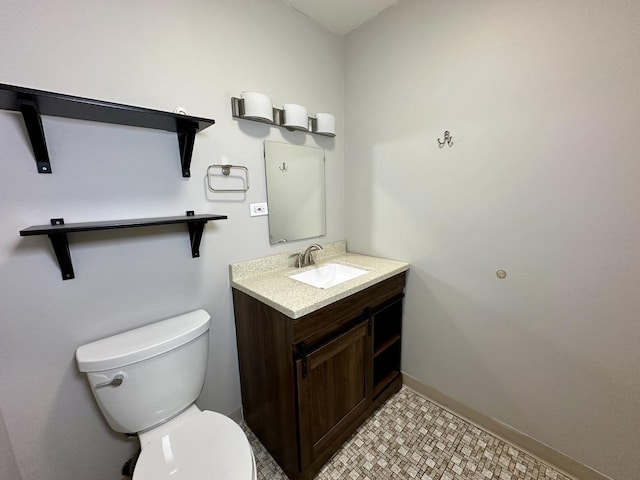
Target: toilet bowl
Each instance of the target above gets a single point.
(196, 445)
(146, 381)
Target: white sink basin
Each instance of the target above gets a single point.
(328, 275)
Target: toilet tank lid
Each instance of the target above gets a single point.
(142, 343)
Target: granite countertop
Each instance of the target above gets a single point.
(267, 279)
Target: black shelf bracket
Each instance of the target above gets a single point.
(60, 244)
(58, 230)
(33, 122)
(195, 234)
(186, 139)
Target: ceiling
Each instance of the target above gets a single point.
(340, 16)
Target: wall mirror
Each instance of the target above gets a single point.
(295, 191)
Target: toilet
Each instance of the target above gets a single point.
(146, 381)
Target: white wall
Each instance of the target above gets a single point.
(542, 99)
(160, 55)
(8, 466)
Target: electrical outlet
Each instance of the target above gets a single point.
(258, 209)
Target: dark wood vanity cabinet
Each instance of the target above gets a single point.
(308, 383)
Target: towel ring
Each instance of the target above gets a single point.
(226, 170)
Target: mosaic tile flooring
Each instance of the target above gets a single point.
(412, 438)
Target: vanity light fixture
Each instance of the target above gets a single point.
(258, 107)
(295, 117)
(324, 124)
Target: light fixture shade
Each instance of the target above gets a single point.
(295, 116)
(257, 105)
(325, 123)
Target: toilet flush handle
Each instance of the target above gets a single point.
(116, 381)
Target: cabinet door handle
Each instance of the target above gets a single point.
(301, 354)
(369, 317)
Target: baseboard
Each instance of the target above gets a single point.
(535, 448)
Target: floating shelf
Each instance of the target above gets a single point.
(58, 231)
(34, 103)
(237, 111)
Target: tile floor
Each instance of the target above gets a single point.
(412, 438)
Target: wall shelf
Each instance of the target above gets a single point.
(34, 103)
(58, 230)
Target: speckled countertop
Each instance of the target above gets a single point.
(267, 279)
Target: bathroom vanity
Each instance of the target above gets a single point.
(315, 363)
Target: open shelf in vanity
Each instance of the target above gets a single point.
(387, 335)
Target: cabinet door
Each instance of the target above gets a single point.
(333, 390)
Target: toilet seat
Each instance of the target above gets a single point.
(205, 446)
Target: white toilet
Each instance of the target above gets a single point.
(146, 382)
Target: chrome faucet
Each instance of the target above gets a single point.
(298, 260)
(307, 256)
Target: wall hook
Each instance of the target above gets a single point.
(448, 140)
(283, 168)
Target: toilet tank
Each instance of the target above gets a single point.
(142, 377)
